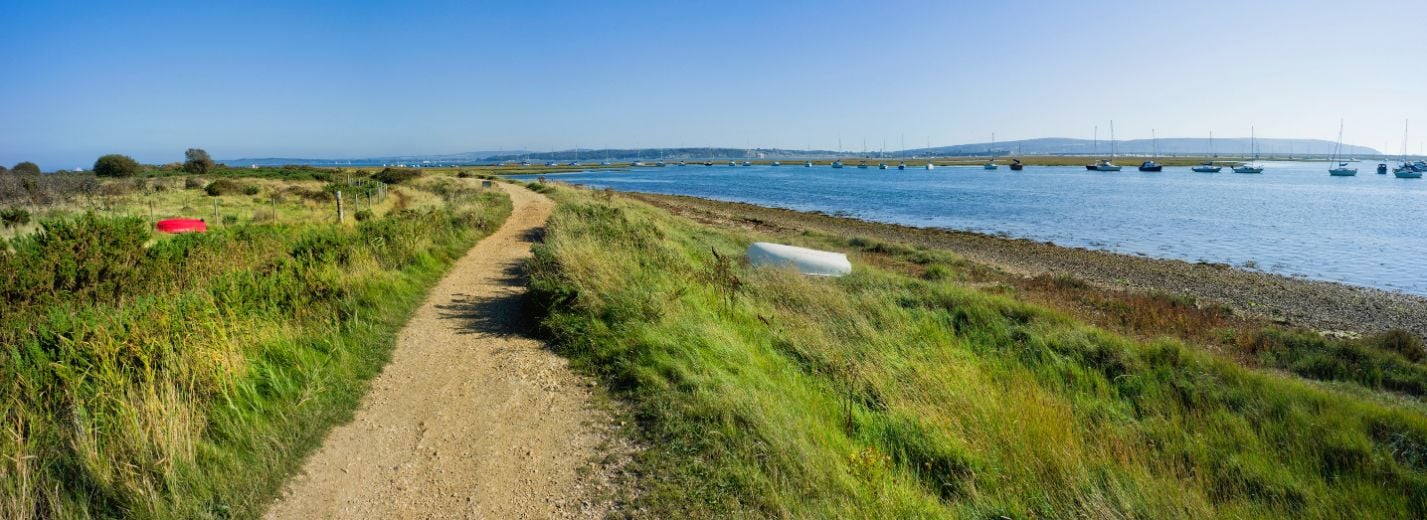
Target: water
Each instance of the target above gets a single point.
(1294, 219)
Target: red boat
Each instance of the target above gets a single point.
(182, 225)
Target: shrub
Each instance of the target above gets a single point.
(12, 217)
(223, 187)
(463, 174)
(192, 183)
(396, 175)
(363, 215)
(250, 190)
(116, 165)
(26, 168)
(1401, 342)
(197, 161)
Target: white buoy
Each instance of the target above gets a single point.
(807, 261)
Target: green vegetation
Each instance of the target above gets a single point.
(115, 165)
(197, 161)
(222, 187)
(913, 388)
(396, 175)
(25, 168)
(186, 376)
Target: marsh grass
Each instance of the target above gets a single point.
(187, 376)
(911, 388)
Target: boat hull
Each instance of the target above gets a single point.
(1156, 168)
(1248, 170)
(1408, 174)
(1342, 173)
(1202, 169)
(1016, 167)
(181, 225)
(807, 261)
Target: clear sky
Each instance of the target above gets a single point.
(343, 79)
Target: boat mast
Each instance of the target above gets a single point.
(1154, 144)
(1112, 139)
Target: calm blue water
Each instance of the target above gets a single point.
(1294, 219)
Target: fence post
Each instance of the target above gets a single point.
(216, 220)
(340, 216)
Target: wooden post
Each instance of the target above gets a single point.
(216, 220)
(274, 207)
(340, 216)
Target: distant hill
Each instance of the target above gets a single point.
(1234, 146)
(1167, 146)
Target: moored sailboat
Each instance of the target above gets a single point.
(1107, 165)
(1407, 170)
(1150, 165)
(1342, 169)
(1251, 167)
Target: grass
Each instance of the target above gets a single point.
(264, 199)
(913, 389)
(187, 376)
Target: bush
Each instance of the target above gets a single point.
(363, 215)
(197, 161)
(463, 174)
(222, 187)
(250, 190)
(1401, 342)
(192, 183)
(396, 175)
(26, 168)
(116, 165)
(12, 217)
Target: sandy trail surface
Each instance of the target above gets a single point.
(471, 418)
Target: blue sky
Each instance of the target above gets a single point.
(343, 79)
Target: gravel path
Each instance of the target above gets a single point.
(471, 419)
(1324, 306)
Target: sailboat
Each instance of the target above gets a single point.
(930, 166)
(1342, 170)
(1208, 166)
(1094, 166)
(901, 154)
(837, 163)
(1106, 165)
(1407, 170)
(991, 155)
(1251, 167)
(1150, 165)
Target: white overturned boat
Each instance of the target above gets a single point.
(807, 261)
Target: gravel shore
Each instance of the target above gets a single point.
(1324, 306)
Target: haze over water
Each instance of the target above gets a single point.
(1292, 220)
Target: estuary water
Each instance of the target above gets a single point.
(1294, 219)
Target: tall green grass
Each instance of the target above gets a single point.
(766, 393)
(186, 376)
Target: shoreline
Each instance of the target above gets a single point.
(1329, 307)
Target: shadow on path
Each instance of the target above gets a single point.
(502, 315)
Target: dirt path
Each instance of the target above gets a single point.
(471, 419)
